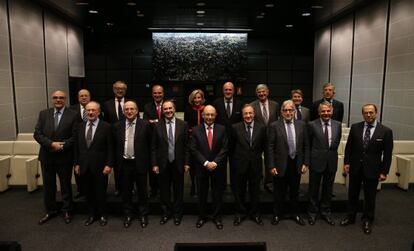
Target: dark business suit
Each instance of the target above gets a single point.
(338, 109)
(247, 165)
(171, 172)
(201, 153)
(305, 114)
(366, 165)
(323, 165)
(134, 170)
(92, 161)
(289, 170)
(77, 108)
(53, 163)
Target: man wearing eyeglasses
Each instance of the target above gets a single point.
(288, 151)
(54, 132)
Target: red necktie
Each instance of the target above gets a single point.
(210, 138)
(158, 111)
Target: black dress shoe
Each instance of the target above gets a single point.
(311, 220)
(177, 220)
(67, 217)
(258, 220)
(46, 218)
(328, 219)
(164, 219)
(347, 221)
(366, 227)
(200, 222)
(103, 221)
(78, 195)
(269, 188)
(89, 221)
(218, 223)
(117, 193)
(299, 220)
(127, 221)
(237, 221)
(275, 220)
(144, 221)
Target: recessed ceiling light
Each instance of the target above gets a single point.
(200, 15)
(93, 11)
(317, 7)
(306, 14)
(269, 5)
(201, 12)
(289, 25)
(138, 11)
(262, 14)
(200, 24)
(200, 4)
(140, 15)
(131, 3)
(259, 17)
(110, 24)
(81, 3)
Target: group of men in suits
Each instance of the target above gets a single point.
(233, 132)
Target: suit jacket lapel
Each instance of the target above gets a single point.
(204, 135)
(164, 130)
(283, 131)
(322, 134)
(98, 128)
(178, 129)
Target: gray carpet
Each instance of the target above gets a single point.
(20, 211)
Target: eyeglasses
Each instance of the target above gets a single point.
(288, 110)
(58, 97)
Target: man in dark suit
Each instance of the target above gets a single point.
(54, 132)
(267, 111)
(84, 97)
(288, 149)
(367, 160)
(113, 112)
(153, 113)
(170, 159)
(132, 152)
(301, 113)
(209, 150)
(324, 137)
(328, 95)
(247, 147)
(94, 161)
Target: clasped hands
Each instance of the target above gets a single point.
(57, 146)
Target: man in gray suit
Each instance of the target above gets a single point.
(302, 113)
(267, 111)
(288, 151)
(324, 137)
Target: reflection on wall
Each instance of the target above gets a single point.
(199, 56)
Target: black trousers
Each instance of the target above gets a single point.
(131, 176)
(370, 193)
(320, 205)
(251, 179)
(171, 177)
(64, 173)
(215, 179)
(95, 185)
(291, 181)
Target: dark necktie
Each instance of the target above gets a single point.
(367, 136)
(291, 140)
(298, 114)
(265, 113)
(89, 135)
(210, 138)
(57, 113)
(249, 134)
(170, 143)
(130, 143)
(120, 113)
(326, 133)
(228, 111)
(84, 115)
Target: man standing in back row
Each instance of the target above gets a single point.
(328, 96)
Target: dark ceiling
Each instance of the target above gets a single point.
(268, 17)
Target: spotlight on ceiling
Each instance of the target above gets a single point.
(201, 4)
(140, 15)
(269, 5)
(317, 7)
(201, 12)
(306, 14)
(92, 11)
(259, 17)
(82, 3)
(289, 25)
(200, 24)
(131, 3)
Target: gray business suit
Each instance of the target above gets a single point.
(273, 112)
(305, 114)
(323, 165)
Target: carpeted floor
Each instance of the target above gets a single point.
(20, 211)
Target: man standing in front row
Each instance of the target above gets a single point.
(247, 147)
(94, 161)
(368, 155)
(170, 159)
(132, 153)
(288, 149)
(324, 136)
(209, 150)
(54, 132)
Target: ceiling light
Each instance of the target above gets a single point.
(200, 15)
(200, 4)
(317, 7)
(138, 11)
(200, 24)
(289, 25)
(262, 14)
(140, 15)
(81, 3)
(131, 3)
(259, 17)
(192, 29)
(93, 11)
(269, 5)
(109, 24)
(201, 12)
(306, 14)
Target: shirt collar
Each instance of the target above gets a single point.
(95, 123)
(374, 124)
(323, 122)
(61, 110)
(133, 121)
(251, 124)
(172, 120)
(225, 100)
(206, 126)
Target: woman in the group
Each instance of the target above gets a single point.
(193, 117)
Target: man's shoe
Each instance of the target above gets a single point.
(299, 220)
(164, 219)
(144, 221)
(219, 223)
(311, 220)
(275, 220)
(46, 218)
(127, 221)
(328, 219)
(103, 220)
(237, 221)
(366, 227)
(89, 221)
(347, 221)
(269, 188)
(258, 220)
(200, 222)
(67, 217)
(177, 220)
(117, 193)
